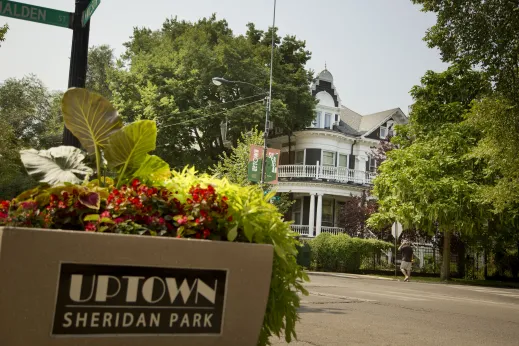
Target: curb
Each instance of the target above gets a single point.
(349, 276)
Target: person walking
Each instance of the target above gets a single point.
(407, 259)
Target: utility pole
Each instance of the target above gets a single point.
(78, 60)
(269, 101)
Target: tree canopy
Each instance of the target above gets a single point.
(30, 117)
(166, 75)
(430, 179)
(484, 34)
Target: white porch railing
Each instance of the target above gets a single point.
(341, 174)
(301, 229)
(332, 230)
(304, 230)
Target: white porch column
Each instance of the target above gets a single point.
(311, 221)
(319, 214)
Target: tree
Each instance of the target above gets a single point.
(429, 180)
(354, 214)
(481, 33)
(3, 31)
(100, 64)
(484, 34)
(166, 75)
(30, 117)
(233, 167)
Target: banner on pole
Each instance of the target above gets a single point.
(255, 162)
(271, 169)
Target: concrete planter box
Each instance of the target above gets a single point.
(77, 288)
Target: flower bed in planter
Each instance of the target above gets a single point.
(50, 278)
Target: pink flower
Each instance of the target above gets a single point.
(105, 214)
(182, 220)
(90, 227)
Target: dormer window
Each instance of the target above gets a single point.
(386, 129)
(317, 121)
(327, 120)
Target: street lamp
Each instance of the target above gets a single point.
(219, 81)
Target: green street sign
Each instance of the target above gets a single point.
(35, 13)
(89, 11)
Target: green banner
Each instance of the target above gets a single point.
(35, 13)
(271, 169)
(255, 162)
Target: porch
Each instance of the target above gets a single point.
(316, 213)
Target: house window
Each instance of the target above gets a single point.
(327, 120)
(317, 121)
(297, 211)
(372, 164)
(343, 160)
(327, 214)
(328, 158)
(383, 132)
(300, 157)
(386, 129)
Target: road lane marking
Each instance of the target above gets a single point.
(328, 295)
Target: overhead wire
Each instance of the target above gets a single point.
(210, 115)
(206, 116)
(215, 105)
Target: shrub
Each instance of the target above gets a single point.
(342, 253)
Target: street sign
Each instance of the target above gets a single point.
(89, 11)
(396, 229)
(36, 14)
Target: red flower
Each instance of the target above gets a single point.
(224, 198)
(105, 214)
(135, 183)
(118, 220)
(90, 227)
(207, 233)
(229, 219)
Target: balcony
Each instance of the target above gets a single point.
(339, 174)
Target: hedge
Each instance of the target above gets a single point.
(342, 253)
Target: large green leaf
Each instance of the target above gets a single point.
(57, 165)
(90, 118)
(127, 149)
(153, 168)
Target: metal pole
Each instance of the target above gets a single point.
(78, 60)
(396, 232)
(269, 100)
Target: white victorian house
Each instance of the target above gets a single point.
(331, 160)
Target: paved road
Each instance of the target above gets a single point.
(354, 310)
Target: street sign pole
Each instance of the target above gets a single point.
(395, 257)
(396, 230)
(78, 60)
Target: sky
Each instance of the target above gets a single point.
(373, 48)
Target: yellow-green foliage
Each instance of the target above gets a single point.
(260, 222)
(342, 253)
